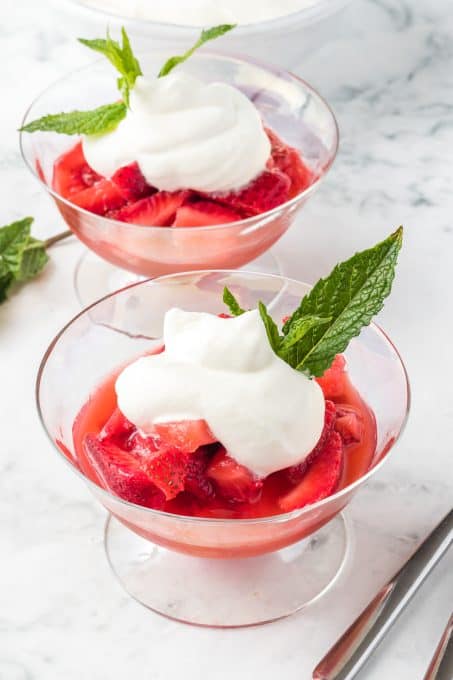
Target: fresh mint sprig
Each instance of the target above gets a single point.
(97, 121)
(22, 257)
(335, 310)
(106, 118)
(121, 57)
(206, 35)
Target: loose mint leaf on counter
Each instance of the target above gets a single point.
(21, 256)
(121, 57)
(349, 297)
(97, 121)
(206, 35)
(231, 302)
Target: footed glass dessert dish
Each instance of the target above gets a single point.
(287, 105)
(223, 572)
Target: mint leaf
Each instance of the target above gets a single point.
(273, 334)
(206, 35)
(350, 296)
(231, 302)
(34, 259)
(290, 345)
(121, 57)
(97, 121)
(21, 256)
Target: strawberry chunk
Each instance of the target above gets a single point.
(117, 427)
(72, 174)
(321, 478)
(267, 191)
(296, 472)
(197, 482)
(158, 210)
(121, 473)
(185, 435)
(168, 470)
(232, 480)
(287, 159)
(203, 214)
(349, 424)
(130, 181)
(100, 198)
(332, 382)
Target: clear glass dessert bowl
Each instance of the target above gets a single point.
(290, 37)
(206, 571)
(287, 105)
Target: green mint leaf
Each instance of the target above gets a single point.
(290, 345)
(121, 57)
(34, 259)
(350, 296)
(273, 334)
(21, 256)
(231, 302)
(97, 121)
(206, 36)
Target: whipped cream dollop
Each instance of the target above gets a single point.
(202, 12)
(267, 415)
(185, 134)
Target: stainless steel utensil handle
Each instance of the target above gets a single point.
(345, 659)
(441, 666)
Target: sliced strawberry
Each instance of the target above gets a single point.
(122, 473)
(267, 191)
(349, 424)
(131, 182)
(203, 214)
(144, 447)
(287, 159)
(233, 481)
(100, 198)
(296, 472)
(185, 435)
(320, 480)
(168, 470)
(117, 427)
(196, 482)
(332, 382)
(158, 210)
(71, 172)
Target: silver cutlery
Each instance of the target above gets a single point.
(441, 666)
(347, 656)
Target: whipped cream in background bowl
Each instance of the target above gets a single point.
(282, 31)
(231, 95)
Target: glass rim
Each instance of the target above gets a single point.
(282, 517)
(316, 12)
(246, 222)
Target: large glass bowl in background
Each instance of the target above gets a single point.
(284, 40)
(287, 104)
(212, 571)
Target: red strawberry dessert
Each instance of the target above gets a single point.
(236, 416)
(183, 470)
(127, 197)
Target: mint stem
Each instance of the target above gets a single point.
(58, 237)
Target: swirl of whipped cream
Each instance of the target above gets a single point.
(185, 134)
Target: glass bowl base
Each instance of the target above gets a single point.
(227, 593)
(94, 277)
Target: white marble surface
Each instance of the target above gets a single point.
(62, 614)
